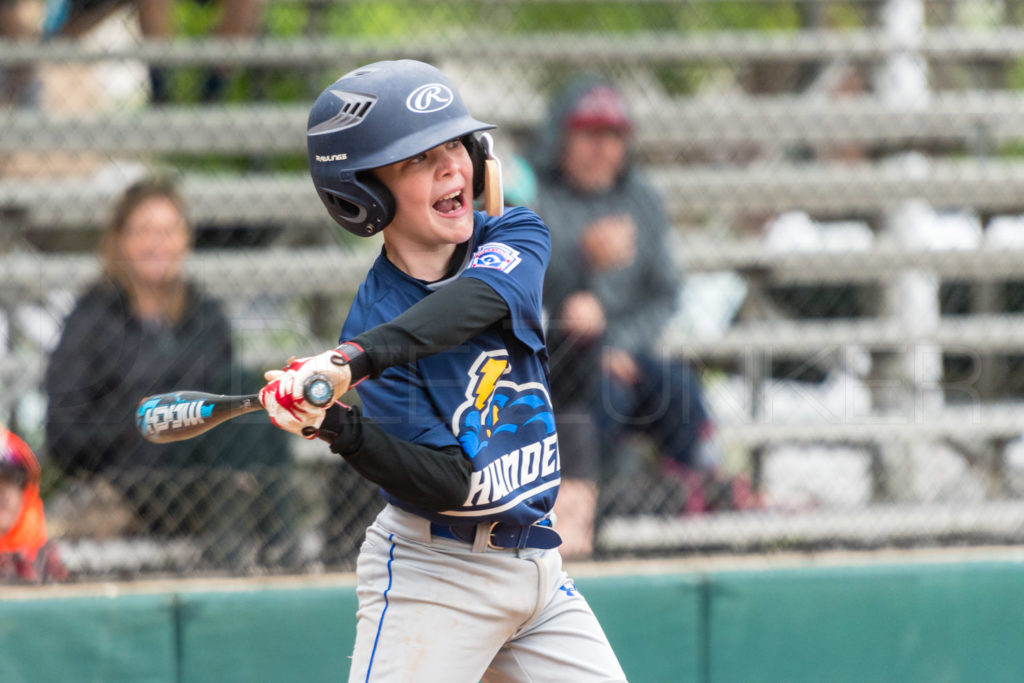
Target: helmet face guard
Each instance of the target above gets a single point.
(374, 116)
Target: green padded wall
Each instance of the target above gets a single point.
(653, 623)
(928, 623)
(272, 635)
(932, 623)
(89, 640)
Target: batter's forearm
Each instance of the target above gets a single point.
(430, 478)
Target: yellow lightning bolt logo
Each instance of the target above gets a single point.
(487, 377)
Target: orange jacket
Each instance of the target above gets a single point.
(28, 534)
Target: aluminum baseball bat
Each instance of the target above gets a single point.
(180, 415)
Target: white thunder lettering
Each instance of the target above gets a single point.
(513, 470)
(499, 486)
(550, 462)
(510, 468)
(530, 463)
(479, 487)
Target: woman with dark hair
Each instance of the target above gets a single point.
(143, 328)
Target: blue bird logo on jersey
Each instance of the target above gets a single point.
(495, 407)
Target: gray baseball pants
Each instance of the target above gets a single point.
(435, 609)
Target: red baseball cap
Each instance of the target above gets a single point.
(601, 107)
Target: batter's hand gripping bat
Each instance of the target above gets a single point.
(180, 415)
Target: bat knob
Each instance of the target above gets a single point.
(318, 390)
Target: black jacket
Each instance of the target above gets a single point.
(108, 359)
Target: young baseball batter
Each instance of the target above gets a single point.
(459, 577)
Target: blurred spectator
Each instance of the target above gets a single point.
(576, 505)
(610, 290)
(238, 18)
(141, 329)
(16, 87)
(25, 553)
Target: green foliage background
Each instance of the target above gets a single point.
(448, 21)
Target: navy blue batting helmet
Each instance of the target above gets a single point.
(374, 116)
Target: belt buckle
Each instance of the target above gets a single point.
(490, 536)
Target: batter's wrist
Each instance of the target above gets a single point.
(356, 359)
(337, 426)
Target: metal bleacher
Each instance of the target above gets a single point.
(964, 120)
(958, 130)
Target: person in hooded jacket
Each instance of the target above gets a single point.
(609, 298)
(26, 554)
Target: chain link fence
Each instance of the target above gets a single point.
(845, 183)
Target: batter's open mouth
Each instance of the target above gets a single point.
(450, 203)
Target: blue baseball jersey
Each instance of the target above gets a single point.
(489, 395)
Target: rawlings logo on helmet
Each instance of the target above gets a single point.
(429, 98)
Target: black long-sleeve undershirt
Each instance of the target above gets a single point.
(441, 321)
(430, 478)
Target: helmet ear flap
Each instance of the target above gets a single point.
(366, 208)
(478, 155)
(382, 206)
